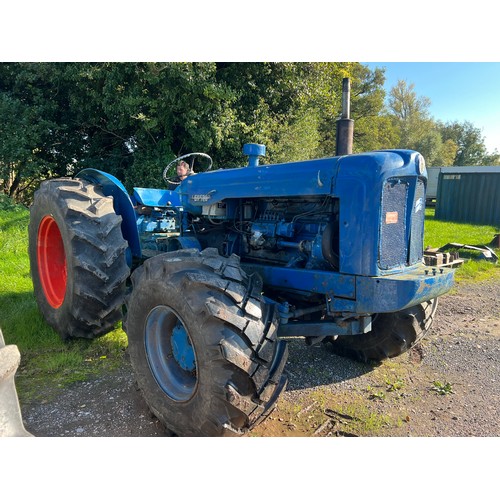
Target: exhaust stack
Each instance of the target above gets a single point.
(345, 126)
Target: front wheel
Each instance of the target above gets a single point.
(203, 343)
(392, 334)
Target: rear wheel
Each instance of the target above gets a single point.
(77, 258)
(203, 343)
(392, 334)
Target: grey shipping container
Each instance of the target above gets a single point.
(432, 184)
(469, 194)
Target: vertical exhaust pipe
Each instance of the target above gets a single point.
(345, 126)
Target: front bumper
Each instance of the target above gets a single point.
(400, 291)
(361, 294)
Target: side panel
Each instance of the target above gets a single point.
(313, 177)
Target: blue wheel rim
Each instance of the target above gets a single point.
(170, 353)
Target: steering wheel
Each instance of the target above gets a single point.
(170, 172)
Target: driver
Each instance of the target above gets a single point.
(183, 171)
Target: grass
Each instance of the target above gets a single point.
(353, 416)
(442, 388)
(439, 233)
(46, 358)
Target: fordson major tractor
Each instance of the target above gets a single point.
(213, 277)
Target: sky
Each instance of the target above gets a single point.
(458, 91)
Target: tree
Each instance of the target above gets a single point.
(471, 149)
(131, 119)
(492, 159)
(373, 127)
(30, 126)
(410, 114)
(282, 105)
(446, 155)
(406, 105)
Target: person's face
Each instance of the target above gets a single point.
(182, 171)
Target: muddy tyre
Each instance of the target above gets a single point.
(203, 343)
(392, 334)
(77, 258)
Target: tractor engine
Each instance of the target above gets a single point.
(156, 226)
(291, 232)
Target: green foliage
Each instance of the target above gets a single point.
(469, 141)
(441, 388)
(411, 117)
(378, 395)
(394, 386)
(441, 144)
(446, 155)
(374, 394)
(131, 119)
(373, 128)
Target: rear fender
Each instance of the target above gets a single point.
(122, 204)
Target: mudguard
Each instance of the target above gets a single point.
(122, 204)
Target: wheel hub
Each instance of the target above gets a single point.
(51, 259)
(182, 348)
(170, 354)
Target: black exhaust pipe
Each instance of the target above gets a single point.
(345, 126)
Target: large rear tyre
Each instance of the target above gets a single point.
(203, 343)
(392, 334)
(77, 258)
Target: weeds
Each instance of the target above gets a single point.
(394, 386)
(442, 388)
(375, 395)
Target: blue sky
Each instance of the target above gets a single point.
(458, 91)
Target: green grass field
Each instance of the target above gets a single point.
(439, 233)
(44, 355)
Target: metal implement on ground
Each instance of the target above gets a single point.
(233, 263)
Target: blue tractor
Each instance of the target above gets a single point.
(212, 277)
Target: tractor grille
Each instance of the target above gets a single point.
(417, 224)
(393, 251)
(394, 234)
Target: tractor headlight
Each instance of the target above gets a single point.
(420, 164)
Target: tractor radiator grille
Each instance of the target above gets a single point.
(393, 251)
(417, 224)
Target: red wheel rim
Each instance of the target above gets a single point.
(51, 262)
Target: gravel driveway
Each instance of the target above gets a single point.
(446, 386)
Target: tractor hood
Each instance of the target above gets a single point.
(304, 178)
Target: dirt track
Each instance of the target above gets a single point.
(332, 396)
